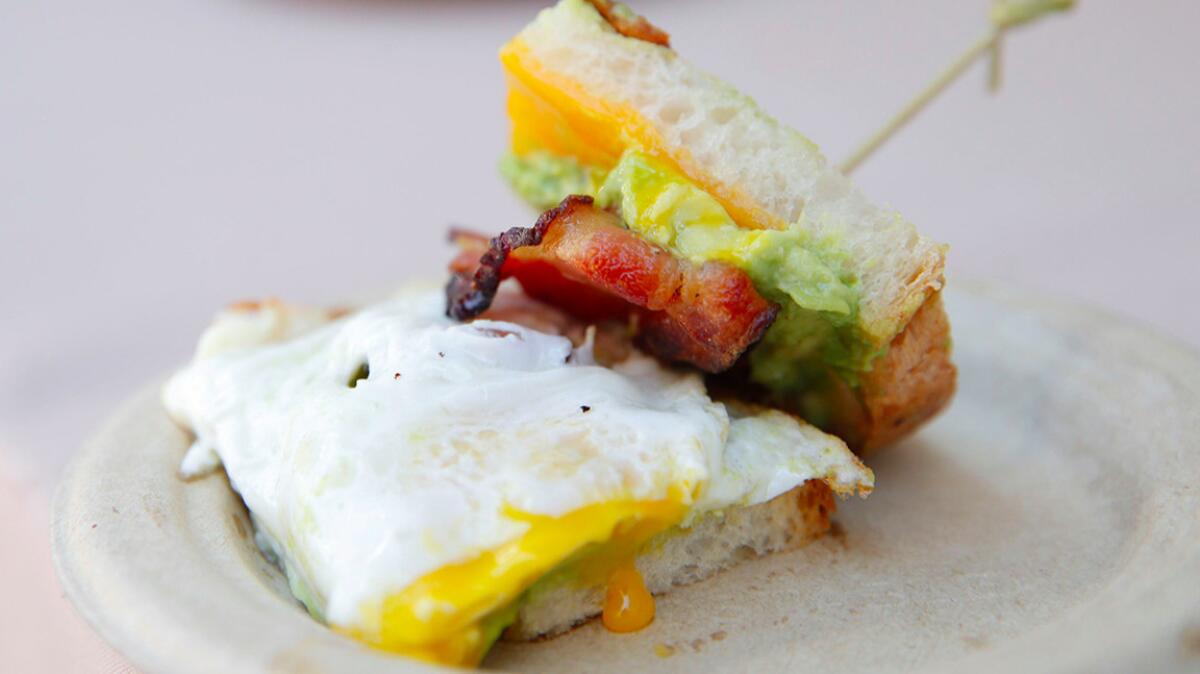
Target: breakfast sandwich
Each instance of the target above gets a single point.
(428, 485)
(664, 375)
(724, 239)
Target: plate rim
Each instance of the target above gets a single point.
(79, 586)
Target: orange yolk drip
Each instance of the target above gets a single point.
(628, 605)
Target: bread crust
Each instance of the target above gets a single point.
(912, 382)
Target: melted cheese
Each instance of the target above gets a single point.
(553, 113)
(412, 507)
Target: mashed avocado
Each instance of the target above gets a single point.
(544, 178)
(664, 207)
(817, 328)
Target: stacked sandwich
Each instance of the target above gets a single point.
(701, 294)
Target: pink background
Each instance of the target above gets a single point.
(160, 159)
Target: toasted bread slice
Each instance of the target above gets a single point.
(684, 556)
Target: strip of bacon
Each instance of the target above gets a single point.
(630, 23)
(580, 259)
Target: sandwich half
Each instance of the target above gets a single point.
(857, 340)
(427, 485)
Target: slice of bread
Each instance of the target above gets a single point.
(683, 556)
(595, 92)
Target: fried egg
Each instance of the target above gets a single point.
(414, 476)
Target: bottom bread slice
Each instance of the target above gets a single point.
(681, 556)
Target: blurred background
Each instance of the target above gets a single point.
(159, 160)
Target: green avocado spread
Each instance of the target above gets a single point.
(544, 179)
(817, 328)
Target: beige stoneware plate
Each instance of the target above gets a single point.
(1050, 521)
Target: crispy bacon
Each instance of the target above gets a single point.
(631, 24)
(580, 259)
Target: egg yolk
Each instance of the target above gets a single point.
(454, 614)
(628, 605)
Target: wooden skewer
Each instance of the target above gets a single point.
(1005, 14)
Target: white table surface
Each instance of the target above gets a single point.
(160, 159)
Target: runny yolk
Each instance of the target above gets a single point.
(628, 605)
(442, 617)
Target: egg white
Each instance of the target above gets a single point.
(362, 487)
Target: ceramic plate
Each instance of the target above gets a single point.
(1048, 522)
